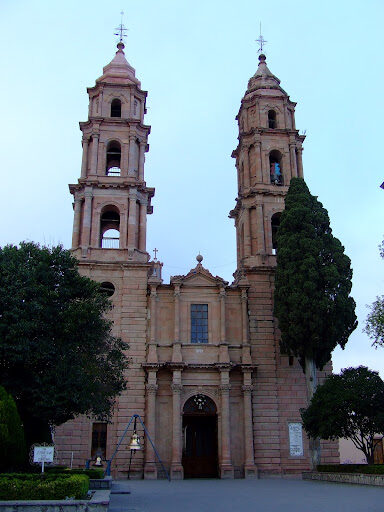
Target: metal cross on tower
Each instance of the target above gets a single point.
(261, 42)
(155, 251)
(121, 30)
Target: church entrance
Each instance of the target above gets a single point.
(200, 458)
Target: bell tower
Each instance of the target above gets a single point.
(111, 199)
(268, 155)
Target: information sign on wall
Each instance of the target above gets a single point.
(295, 439)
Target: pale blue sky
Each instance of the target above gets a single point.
(195, 58)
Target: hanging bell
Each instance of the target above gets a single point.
(98, 462)
(135, 442)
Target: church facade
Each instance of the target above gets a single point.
(205, 374)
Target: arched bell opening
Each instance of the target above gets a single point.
(275, 167)
(116, 108)
(275, 223)
(113, 159)
(110, 228)
(272, 119)
(200, 446)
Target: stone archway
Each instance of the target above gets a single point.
(200, 453)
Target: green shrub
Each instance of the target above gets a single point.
(12, 441)
(36, 487)
(94, 473)
(366, 469)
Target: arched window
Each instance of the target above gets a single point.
(272, 119)
(110, 228)
(116, 108)
(275, 168)
(113, 159)
(275, 222)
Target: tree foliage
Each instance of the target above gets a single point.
(374, 325)
(312, 280)
(12, 442)
(58, 357)
(349, 405)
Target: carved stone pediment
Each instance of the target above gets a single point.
(199, 276)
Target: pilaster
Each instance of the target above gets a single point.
(177, 471)
(226, 467)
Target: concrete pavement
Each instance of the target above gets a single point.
(265, 495)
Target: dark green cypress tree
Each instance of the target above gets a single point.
(12, 441)
(312, 284)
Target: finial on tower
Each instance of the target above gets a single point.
(121, 32)
(261, 42)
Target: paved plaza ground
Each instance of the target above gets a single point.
(264, 495)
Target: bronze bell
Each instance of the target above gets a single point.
(135, 442)
(98, 462)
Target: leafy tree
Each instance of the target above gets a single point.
(12, 442)
(349, 405)
(374, 326)
(58, 357)
(312, 283)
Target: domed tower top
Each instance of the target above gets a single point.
(263, 78)
(119, 70)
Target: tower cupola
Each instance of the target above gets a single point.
(268, 155)
(111, 196)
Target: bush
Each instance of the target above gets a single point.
(366, 469)
(42, 487)
(94, 473)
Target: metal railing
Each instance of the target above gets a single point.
(108, 242)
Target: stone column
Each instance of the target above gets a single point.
(260, 229)
(132, 221)
(143, 146)
(95, 148)
(101, 160)
(292, 151)
(223, 349)
(226, 468)
(124, 159)
(177, 356)
(76, 223)
(259, 168)
(150, 469)
(246, 347)
(265, 172)
(285, 115)
(250, 470)
(300, 162)
(152, 345)
(177, 472)
(247, 167)
(87, 219)
(131, 158)
(143, 225)
(84, 161)
(247, 232)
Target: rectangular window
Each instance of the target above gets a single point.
(99, 440)
(199, 323)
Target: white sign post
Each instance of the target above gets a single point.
(42, 455)
(295, 439)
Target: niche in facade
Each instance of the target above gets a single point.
(116, 108)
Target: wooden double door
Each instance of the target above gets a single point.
(200, 458)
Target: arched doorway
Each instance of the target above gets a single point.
(200, 438)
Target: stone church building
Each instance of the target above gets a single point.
(205, 373)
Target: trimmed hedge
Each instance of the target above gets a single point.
(366, 469)
(94, 473)
(23, 486)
